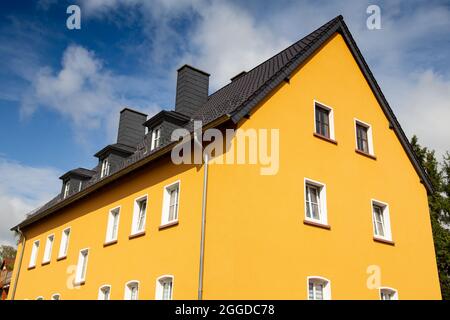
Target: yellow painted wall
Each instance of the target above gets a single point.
(256, 243)
(169, 251)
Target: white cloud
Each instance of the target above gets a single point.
(84, 92)
(22, 189)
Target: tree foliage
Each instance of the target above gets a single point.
(7, 252)
(439, 204)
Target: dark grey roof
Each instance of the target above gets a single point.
(235, 100)
(164, 115)
(79, 172)
(118, 147)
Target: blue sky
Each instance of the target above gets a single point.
(61, 90)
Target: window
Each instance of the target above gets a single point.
(40, 298)
(170, 203)
(140, 209)
(315, 202)
(381, 220)
(80, 276)
(388, 294)
(364, 141)
(66, 189)
(319, 288)
(104, 293)
(105, 168)
(48, 249)
(113, 224)
(131, 290)
(156, 138)
(324, 120)
(56, 296)
(34, 253)
(164, 288)
(64, 245)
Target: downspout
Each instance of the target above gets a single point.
(13, 294)
(202, 237)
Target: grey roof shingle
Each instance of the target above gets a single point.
(237, 99)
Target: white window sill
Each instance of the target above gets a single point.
(136, 234)
(384, 240)
(169, 224)
(316, 223)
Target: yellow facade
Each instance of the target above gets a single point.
(257, 245)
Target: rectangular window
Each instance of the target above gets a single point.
(105, 168)
(48, 249)
(64, 245)
(170, 203)
(315, 202)
(132, 290)
(164, 288)
(82, 266)
(66, 189)
(104, 293)
(364, 141)
(113, 224)
(322, 121)
(139, 215)
(319, 288)
(156, 138)
(34, 253)
(388, 294)
(381, 220)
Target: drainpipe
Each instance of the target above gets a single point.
(13, 294)
(202, 237)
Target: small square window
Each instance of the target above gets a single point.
(319, 288)
(388, 294)
(164, 288)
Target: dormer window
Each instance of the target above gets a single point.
(156, 138)
(66, 189)
(105, 168)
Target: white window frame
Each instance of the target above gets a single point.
(159, 286)
(56, 295)
(82, 263)
(136, 210)
(369, 136)
(127, 293)
(101, 292)
(110, 225)
(66, 189)
(48, 248)
(166, 203)
(106, 166)
(64, 244)
(323, 215)
(390, 290)
(34, 254)
(386, 219)
(330, 117)
(326, 287)
(156, 137)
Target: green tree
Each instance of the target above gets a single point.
(439, 204)
(7, 252)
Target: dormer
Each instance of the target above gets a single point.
(161, 125)
(73, 180)
(131, 132)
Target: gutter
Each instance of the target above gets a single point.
(202, 234)
(22, 236)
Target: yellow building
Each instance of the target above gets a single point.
(339, 212)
